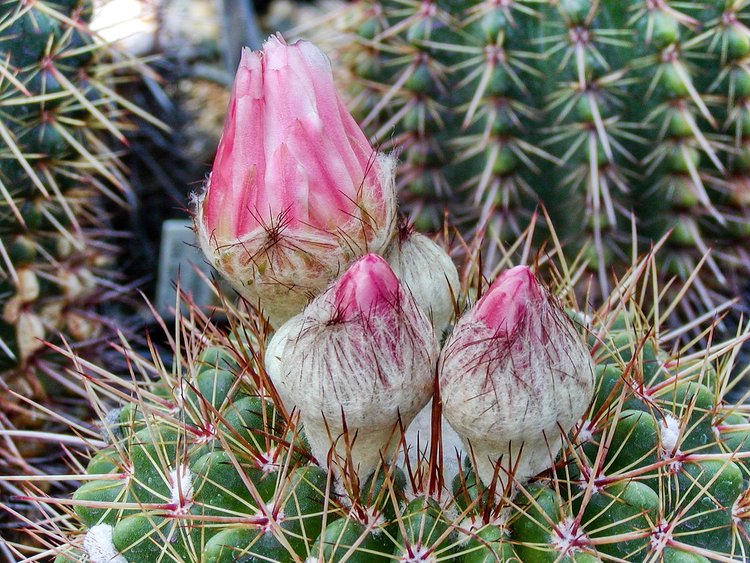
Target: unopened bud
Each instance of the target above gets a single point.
(360, 356)
(514, 375)
(429, 273)
(296, 193)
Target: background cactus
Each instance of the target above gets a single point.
(60, 180)
(614, 114)
(202, 463)
(62, 130)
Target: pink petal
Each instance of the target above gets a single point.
(284, 201)
(289, 147)
(369, 287)
(239, 164)
(509, 299)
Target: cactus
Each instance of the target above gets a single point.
(608, 112)
(61, 125)
(203, 462)
(583, 435)
(62, 132)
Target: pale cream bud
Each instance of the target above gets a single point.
(514, 376)
(361, 355)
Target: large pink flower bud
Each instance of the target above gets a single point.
(296, 192)
(514, 375)
(360, 355)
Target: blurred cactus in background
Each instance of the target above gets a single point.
(62, 132)
(621, 117)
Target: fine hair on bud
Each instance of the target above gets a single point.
(360, 358)
(514, 374)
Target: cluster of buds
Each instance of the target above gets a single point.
(299, 214)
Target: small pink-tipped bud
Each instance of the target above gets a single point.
(360, 355)
(296, 192)
(514, 375)
(509, 299)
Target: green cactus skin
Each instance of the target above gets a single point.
(426, 531)
(350, 540)
(630, 507)
(598, 109)
(244, 544)
(101, 492)
(384, 492)
(489, 544)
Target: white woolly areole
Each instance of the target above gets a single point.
(372, 517)
(669, 434)
(716, 430)
(180, 391)
(429, 273)
(510, 395)
(420, 554)
(372, 370)
(281, 274)
(567, 536)
(181, 486)
(661, 536)
(99, 547)
(30, 333)
(586, 433)
(111, 424)
(583, 319)
(269, 458)
(468, 527)
(269, 511)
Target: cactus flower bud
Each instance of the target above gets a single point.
(296, 193)
(513, 375)
(431, 276)
(428, 272)
(359, 356)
